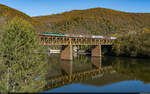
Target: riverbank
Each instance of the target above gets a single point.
(133, 44)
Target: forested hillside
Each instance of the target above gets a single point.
(95, 21)
(7, 13)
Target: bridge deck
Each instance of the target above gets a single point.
(51, 40)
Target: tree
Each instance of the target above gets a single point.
(133, 44)
(22, 63)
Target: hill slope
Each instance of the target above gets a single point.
(95, 21)
(7, 13)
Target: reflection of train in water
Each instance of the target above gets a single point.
(75, 36)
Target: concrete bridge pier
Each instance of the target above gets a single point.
(66, 52)
(96, 51)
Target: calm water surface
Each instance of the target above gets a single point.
(123, 74)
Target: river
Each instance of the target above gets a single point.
(105, 74)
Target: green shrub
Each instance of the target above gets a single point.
(20, 60)
(134, 44)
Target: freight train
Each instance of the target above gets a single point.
(76, 36)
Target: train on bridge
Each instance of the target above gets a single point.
(76, 36)
(69, 40)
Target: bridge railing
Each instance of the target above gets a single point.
(50, 40)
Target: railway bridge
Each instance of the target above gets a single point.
(68, 41)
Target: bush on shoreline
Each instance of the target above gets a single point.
(133, 44)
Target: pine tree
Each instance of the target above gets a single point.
(22, 63)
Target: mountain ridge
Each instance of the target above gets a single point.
(91, 9)
(93, 21)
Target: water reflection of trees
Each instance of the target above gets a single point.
(126, 68)
(137, 68)
(82, 59)
(63, 67)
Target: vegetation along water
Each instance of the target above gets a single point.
(26, 67)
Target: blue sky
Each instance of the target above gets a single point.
(47, 7)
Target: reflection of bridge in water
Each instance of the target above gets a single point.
(71, 75)
(95, 72)
(67, 44)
